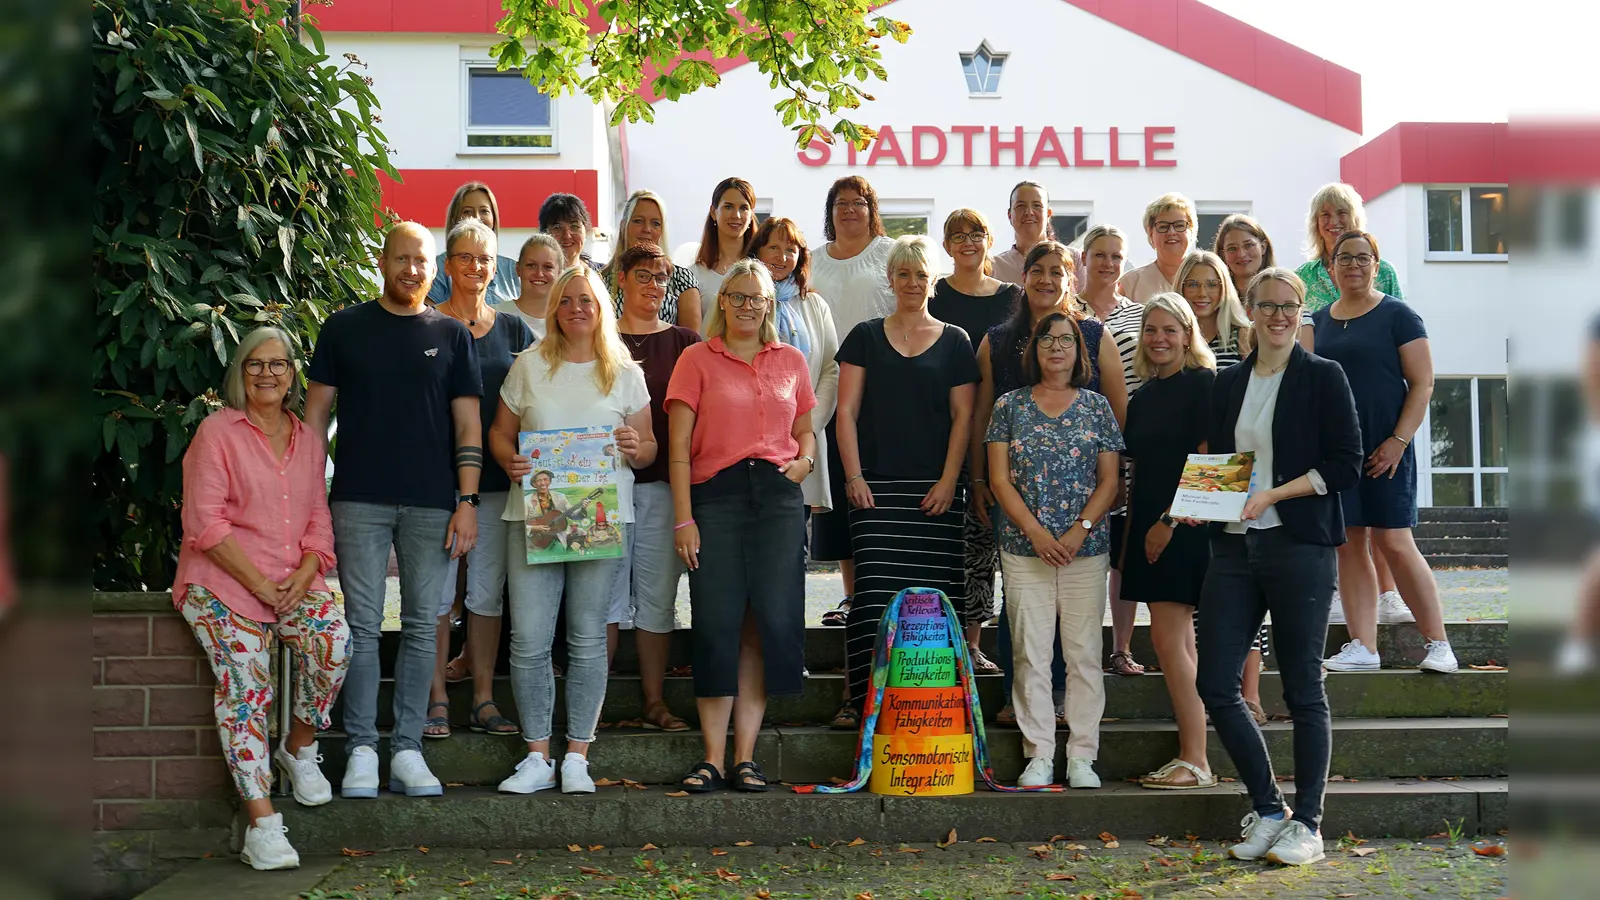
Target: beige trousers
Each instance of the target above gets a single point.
(1039, 599)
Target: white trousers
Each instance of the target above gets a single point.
(1041, 598)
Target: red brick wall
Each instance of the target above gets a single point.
(162, 793)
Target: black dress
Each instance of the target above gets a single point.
(1167, 421)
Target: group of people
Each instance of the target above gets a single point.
(1029, 412)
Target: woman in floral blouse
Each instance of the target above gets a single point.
(1052, 450)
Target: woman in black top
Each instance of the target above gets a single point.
(972, 300)
(905, 409)
(1296, 412)
(1163, 564)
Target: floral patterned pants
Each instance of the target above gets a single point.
(241, 660)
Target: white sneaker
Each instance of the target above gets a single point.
(575, 775)
(1336, 611)
(1260, 835)
(409, 775)
(1297, 846)
(1080, 773)
(1440, 658)
(534, 773)
(266, 848)
(1392, 610)
(1576, 657)
(1352, 657)
(360, 775)
(304, 772)
(1038, 773)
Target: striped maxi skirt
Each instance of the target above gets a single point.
(896, 545)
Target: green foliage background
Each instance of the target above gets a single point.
(235, 185)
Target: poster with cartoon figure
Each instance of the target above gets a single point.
(570, 497)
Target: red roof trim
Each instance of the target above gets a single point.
(1429, 153)
(423, 194)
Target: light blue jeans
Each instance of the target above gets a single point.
(536, 593)
(362, 536)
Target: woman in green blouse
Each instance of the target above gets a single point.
(1335, 209)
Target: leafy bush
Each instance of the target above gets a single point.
(236, 186)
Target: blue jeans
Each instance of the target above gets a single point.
(535, 602)
(362, 536)
(1267, 570)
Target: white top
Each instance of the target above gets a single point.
(571, 399)
(1143, 283)
(536, 324)
(1253, 431)
(825, 385)
(857, 289)
(710, 284)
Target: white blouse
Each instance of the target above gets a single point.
(857, 289)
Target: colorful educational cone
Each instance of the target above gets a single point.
(922, 745)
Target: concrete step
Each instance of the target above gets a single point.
(1388, 693)
(621, 817)
(1475, 643)
(1426, 530)
(1362, 748)
(1468, 560)
(1438, 546)
(1463, 514)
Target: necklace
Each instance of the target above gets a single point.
(906, 333)
(1273, 370)
(275, 432)
(449, 310)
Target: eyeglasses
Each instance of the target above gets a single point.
(1171, 227)
(1288, 310)
(1245, 247)
(645, 276)
(740, 301)
(565, 228)
(1359, 260)
(1210, 284)
(467, 259)
(961, 237)
(847, 205)
(257, 366)
(1052, 341)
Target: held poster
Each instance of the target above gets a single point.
(570, 497)
(1214, 486)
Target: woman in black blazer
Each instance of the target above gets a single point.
(1295, 410)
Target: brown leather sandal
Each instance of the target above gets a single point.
(1122, 664)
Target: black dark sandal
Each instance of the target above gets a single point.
(437, 722)
(846, 719)
(495, 724)
(705, 779)
(836, 617)
(747, 777)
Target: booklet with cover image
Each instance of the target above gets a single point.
(1214, 486)
(570, 497)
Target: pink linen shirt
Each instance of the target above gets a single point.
(742, 411)
(277, 510)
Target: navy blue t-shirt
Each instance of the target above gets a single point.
(396, 376)
(1368, 348)
(496, 351)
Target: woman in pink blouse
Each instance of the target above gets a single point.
(257, 537)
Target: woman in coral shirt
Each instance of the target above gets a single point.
(257, 538)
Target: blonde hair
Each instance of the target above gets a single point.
(912, 248)
(1231, 317)
(1276, 273)
(1170, 201)
(609, 272)
(1342, 197)
(1196, 356)
(610, 354)
(233, 392)
(472, 228)
(452, 211)
(1087, 240)
(542, 241)
(971, 218)
(717, 323)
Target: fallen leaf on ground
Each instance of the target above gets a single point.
(588, 870)
(594, 847)
(856, 843)
(985, 840)
(1131, 894)
(1057, 837)
(468, 883)
(630, 783)
(718, 851)
(1159, 840)
(1363, 851)
(1074, 847)
(1107, 836)
(502, 862)
(1190, 837)
(864, 895)
(1330, 778)
(1041, 848)
(605, 782)
(1350, 838)
(744, 843)
(1344, 895)
(729, 877)
(1112, 845)
(1439, 836)
(677, 793)
(1489, 849)
(951, 839)
(763, 894)
(1167, 863)
(910, 849)
(349, 852)
(422, 849)
(649, 847)
(814, 845)
(574, 848)
(1060, 876)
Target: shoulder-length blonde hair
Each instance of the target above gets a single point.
(610, 354)
(1231, 317)
(1196, 356)
(609, 272)
(717, 322)
(233, 392)
(454, 209)
(1342, 197)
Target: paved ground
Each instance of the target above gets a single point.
(1083, 868)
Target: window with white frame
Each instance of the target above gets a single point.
(1209, 217)
(1468, 442)
(903, 217)
(1468, 222)
(982, 68)
(503, 112)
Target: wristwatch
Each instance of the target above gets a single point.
(1088, 524)
(810, 462)
(474, 499)
(1168, 520)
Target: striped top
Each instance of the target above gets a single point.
(1123, 324)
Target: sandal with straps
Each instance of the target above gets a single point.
(706, 779)
(846, 719)
(495, 724)
(659, 718)
(437, 722)
(836, 617)
(1167, 778)
(1122, 664)
(982, 665)
(747, 777)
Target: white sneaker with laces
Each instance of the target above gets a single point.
(1336, 611)
(360, 775)
(1353, 657)
(304, 772)
(1297, 846)
(1039, 773)
(1392, 610)
(409, 775)
(1440, 658)
(534, 773)
(575, 775)
(1080, 773)
(1259, 835)
(266, 848)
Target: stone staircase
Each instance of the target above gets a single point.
(1453, 537)
(1411, 751)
